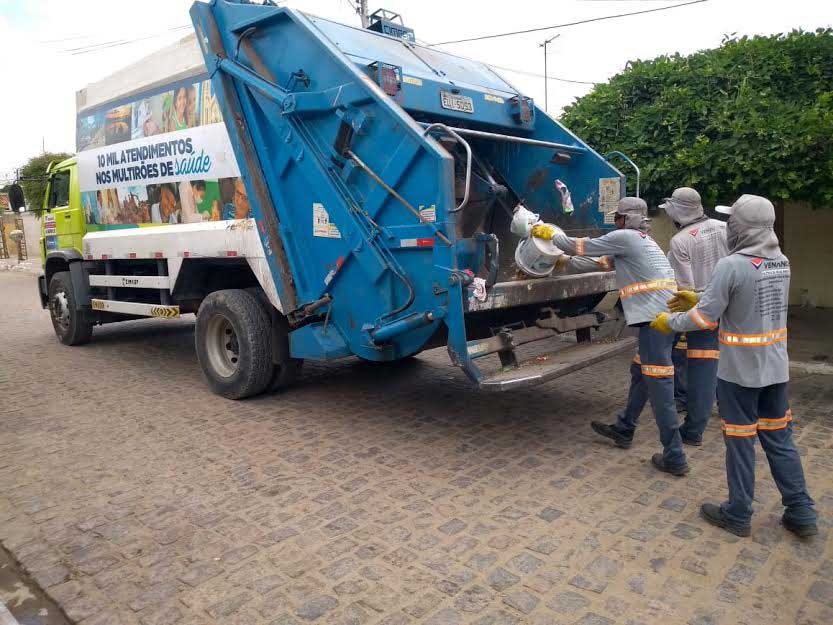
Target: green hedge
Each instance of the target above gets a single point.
(752, 116)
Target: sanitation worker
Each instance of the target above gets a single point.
(645, 281)
(748, 294)
(694, 251)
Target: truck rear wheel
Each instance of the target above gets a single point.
(70, 327)
(232, 343)
(287, 369)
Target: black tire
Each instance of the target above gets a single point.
(287, 369)
(232, 342)
(70, 327)
(285, 372)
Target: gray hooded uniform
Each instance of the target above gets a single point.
(700, 242)
(646, 282)
(748, 296)
(695, 251)
(643, 274)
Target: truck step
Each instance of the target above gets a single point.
(549, 366)
(135, 308)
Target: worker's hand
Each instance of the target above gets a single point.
(661, 323)
(543, 231)
(561, 262)
(683, 301)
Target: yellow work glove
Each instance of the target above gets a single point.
(543, 231)
(683, 301)
(561, 262)
(661, 324)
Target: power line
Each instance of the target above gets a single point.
(94, 47)
(587, 21)
(536, 75)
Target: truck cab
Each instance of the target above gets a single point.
(63, 224)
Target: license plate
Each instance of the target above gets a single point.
(456, 102)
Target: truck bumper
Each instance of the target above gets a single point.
(542, 290)
(42, 292)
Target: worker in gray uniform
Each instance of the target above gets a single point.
(645, 281)
(748, 294)
(694, 251)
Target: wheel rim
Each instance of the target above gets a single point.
(60, 310)
(222, 347)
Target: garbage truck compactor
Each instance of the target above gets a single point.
(382, 176)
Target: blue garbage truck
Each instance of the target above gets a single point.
(379, 179)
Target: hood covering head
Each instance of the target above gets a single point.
(684, 206)
(750, 229)
(635, 212)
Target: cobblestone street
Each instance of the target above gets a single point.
(368, 494)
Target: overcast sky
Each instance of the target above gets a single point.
(42, 69)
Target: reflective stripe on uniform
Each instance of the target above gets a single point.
(637, 360)
(730, 429)
(776, 424)
(753, 340)
(644, 287)
(682, 343)
(703, 353)
(657, 371)
(700, 320)
(742, 431)
(580, 246)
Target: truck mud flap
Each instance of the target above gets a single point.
(544, 367)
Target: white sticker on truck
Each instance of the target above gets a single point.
(428, 214)
(321, 226)
(609, 193)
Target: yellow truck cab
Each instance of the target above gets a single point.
(63, 224)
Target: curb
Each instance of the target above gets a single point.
(817, 368)
(24, 267)
(6, 617)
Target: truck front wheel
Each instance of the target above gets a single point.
(70, 327)
(232, 342)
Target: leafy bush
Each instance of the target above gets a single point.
(33, 177)
(752, 116)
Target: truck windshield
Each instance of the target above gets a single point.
(59, 190)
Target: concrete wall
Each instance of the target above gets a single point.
(808, 241)
(662, 229)
(809, 245)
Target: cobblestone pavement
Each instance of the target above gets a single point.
(379, 495)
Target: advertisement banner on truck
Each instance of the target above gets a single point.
(162, 158)
(199, 153)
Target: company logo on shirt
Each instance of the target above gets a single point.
(693, 232)
(757, 262)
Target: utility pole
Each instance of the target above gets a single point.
(546, 77)
(361, 9)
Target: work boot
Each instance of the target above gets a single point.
(802, 531)
(714, 515)
(692, 442)
(679, 470)
(609, 431)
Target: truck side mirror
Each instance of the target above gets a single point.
(16, 199)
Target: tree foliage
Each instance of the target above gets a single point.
(33, 177)
(752, 116)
